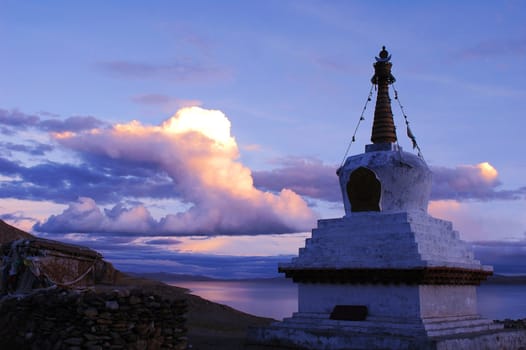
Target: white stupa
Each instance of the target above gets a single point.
(387, 275)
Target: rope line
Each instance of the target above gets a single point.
(408, 129)
(78, 279)
(353, 139)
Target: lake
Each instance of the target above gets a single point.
(278, 298)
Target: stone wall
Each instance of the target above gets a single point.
(73, 320)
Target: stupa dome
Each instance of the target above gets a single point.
(384, 178)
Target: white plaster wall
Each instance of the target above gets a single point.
(448, 301)
(390, 301)
(381, 301)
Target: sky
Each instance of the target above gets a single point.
(202, 137)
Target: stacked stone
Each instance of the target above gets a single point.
(513, 324)
(66, 319)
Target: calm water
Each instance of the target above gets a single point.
(274, 299)
(278, 299)
(502, 301)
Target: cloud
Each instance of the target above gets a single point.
(14, 120)
(85, 216)
(312, 178)
(183, 70)
(307, 177)
(34, 148)
(106, 182)
(162, 241)
(16, 217)
(195, 150)
(8, 167)
(162, 254)
(506, 257)
(470, 182)
(232, 267)
(466, 218)
(477, 220)
(74, 124)
(192, 159)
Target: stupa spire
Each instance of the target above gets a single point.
(383, 125)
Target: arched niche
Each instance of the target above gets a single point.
(363, 190)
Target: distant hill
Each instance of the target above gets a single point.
(501, 279)
(9, 233)
(174, 277)
(169, 277)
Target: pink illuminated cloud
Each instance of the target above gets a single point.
(195, 149)
(480, 221)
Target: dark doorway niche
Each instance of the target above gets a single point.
(363, 190)
(349, 313)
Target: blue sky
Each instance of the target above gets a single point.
(242, 187)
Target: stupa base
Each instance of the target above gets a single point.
(317, 332)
